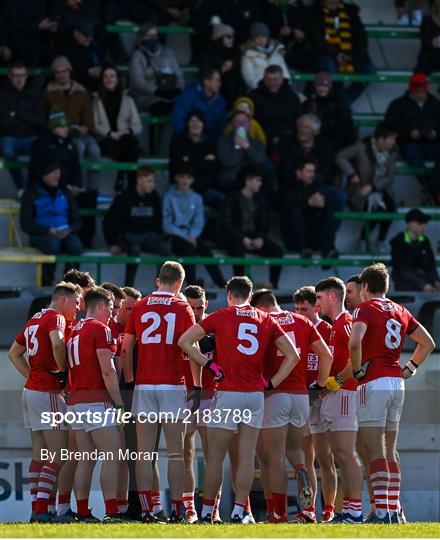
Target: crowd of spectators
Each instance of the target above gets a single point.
(243, 143)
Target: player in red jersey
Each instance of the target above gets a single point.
(335, 413)
(379, 330)
(353, 290)
(286, 408)
(157, 322)
(242, 335)
(95, 401)
(304, 300)
(42, 340)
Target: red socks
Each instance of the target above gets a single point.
(394, 486)
(46, 483)
(380, 479)
(279, 504)
(82, 507)
(33, 477)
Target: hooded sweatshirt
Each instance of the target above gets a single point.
(183, 213)
(256, 131)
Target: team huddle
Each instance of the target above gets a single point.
(252, 379)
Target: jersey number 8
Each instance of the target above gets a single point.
(393, 337)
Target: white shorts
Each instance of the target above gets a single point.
(336, 411)
(282, 408)
(380, 402)
(201, 418)
(35, 403)
(159, 402)
(91, 416)
(230, 409)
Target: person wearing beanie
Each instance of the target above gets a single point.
(260, 52)
(246, 105)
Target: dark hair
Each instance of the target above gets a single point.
(132, 293)
(240, 287)
(207, 73)
(16, 65)
(195, 292)
(95, 296)
(383, 130)
(103, 92)
(249, 170)
(302, 164)
(183, 170)
(83, 279)
(272, 69)
(171, 272)
(65, 289)
(305, 294)
(198, 114)
(332, 283)
(376, 277)
(145, 171)
(354, 279)
(264, 297)
(117, 291)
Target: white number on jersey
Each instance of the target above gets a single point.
(73, 351)
(30, 335)
(147, 338)
(245, 331)
(393, 337)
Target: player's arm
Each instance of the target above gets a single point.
(320, 348)
(58, 348)
(286, 347)
(16, 356)
(355, 345)
(187, 342)
(425, 346)
(196, 370)
(127, 356)
(109, 374)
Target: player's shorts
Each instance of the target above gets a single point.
(282, 408)
(91, 416)
(201, 418)
(230, 409)
(380, 402)
(159, 402)
(336, 411)
(43, 410)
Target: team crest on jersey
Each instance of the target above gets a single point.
(152, 300)
(246, 313)
(386, 305)
(286, 320)
(312, 362)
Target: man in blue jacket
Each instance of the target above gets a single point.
(203, 96)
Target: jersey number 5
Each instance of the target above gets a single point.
(170, 319)
(245, 333)
(393, 337)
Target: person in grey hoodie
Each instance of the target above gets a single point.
(183, 222)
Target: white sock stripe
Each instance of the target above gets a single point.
(381, 474)
(395, 475)
(44, 485)
(43, 495)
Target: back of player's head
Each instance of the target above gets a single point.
(95, 296)
(376, 277)
(334, 284)
(118, 292)
(83, 279)
(171, 273)
(195, 292)
(354, 279)
(305, 294)
(239, 287)
(65, 289)
(130, 292)
(264, 298)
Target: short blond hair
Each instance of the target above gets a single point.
(171, 273)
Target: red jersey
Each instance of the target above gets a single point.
(70, 325)
(86, 384)
(243, 334)
(117, 331)
(158, 321)
(35, 337)
(338, 345)
(324, 329)
(302, 332)
(387, 325)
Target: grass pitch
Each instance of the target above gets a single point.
(410, 530)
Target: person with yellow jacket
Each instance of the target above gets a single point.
(245, 104)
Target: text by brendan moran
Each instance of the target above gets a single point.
(94, 455)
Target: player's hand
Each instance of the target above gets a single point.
(195, 396)
(215, 370)
(315, 391)
(266, 383)
(333, 384)
(358, 375)
(409, 370)
(61, 376)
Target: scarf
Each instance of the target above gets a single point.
(338, 32)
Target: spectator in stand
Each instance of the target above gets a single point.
(307, 206)
(260, 52)
(5, 49)
(308, 145)
(117, 122)
(155, 75)
(237, 148)
(223, 55)
(21, 119)
(245, 104)
(197, 150)
(429, 56)
(336, 120)
(50, 216)
(69, 14)
(184, 221)
(340, 43)
(133, 223)
(244, 222)
(370, 166)
(203, 96)
(413, 261)
(416, 116)
(403, 13)
(289, 21)
(70, 97)
(277, 107)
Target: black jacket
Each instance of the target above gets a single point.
(277, 113)
(406, 115)
(295, 14)
(232, 221)
(82, 59)
(413, 262)
(130, 213)
(27, 106)
(296, 194)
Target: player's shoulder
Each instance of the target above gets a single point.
(301, 319)
(323, 326)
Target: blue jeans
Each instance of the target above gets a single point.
(417, 152)
(10, 149)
